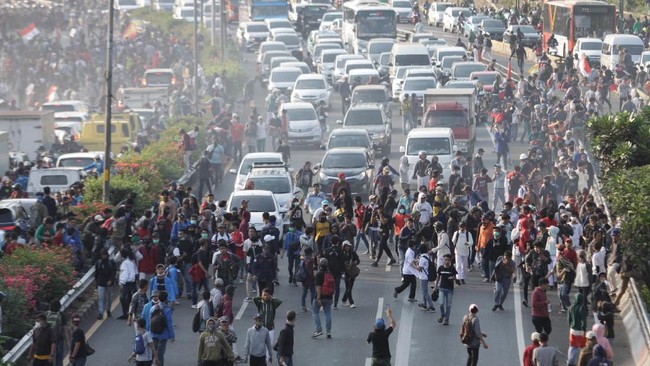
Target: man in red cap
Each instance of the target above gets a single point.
(341, 183)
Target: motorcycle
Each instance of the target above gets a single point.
(415, 18)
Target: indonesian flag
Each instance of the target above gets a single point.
(509, 72)
(52, 95)
(28, 33)
(585, 64)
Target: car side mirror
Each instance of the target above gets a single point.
(232, 171)
(402, 149)
(283, 210)
(323, 147)
(339, 122)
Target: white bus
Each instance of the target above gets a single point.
(364, 20)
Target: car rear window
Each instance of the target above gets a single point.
(54, 180)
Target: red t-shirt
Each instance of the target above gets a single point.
(237, 132)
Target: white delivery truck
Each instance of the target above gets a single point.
(144, 97)
(28, 130)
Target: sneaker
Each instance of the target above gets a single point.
(241, 281)
(254, 291)
(374, 264)
(412, 300)
(317, 334)
(336, 307)
(304, 309)
(501, 308)
(525, 303)
(495, 307)
(550, 309)
(440, 320)
(122, 317)
(352, 306)
(562, 311)
(423, 306)
(446, 322)
(329, 336)
(295, 284)
(458, 282)
(431, 310)
(372, 257)
(276, 282)
(392, 261)
(485, 280)
(100, 317)
(471, 268)
(395, 294)
(248, 299)
(366, 252)
(462, 282)
(108, 314)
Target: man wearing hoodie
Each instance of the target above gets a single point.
(213, 345)
(602, 340)
(162, 283)
(577, 328)
(600, 357)
(285, 340)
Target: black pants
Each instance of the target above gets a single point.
(261, 285)
(349, 283)
(257, 361)
(126, 293)
(542, 324)
(383, 247)
(472, 356)
(204, 181)
(408, 280)
(237, 151)
(526, 281)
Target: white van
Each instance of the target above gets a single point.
(438, 141)
(58, 179)
(436, 12)
(609, 52)
(408, 54)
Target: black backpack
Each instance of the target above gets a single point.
(430, 271)
(158, 320)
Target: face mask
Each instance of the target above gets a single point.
(401, 211)
(38, 324)
(292, 229)
(497, 234)
(258, 326)
(156, 241)
(192, 222)
(204, 236)
(211, 327)
(253, 238)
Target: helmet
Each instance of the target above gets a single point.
(17, 187)
(439, 226)
(384, 160)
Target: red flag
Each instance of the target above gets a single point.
(28, 33)
(585, 64)
(509, 72)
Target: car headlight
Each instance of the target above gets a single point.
(359, 176)
(322, 176)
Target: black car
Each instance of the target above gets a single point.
(355, 162)
(494, 27)
(530, 35)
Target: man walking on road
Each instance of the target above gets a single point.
(266, 307)
(446, 277)
(476, 338)
(502, 275)
(545, 355)
(410, 270)
(539, 311)
(160, 338)
(258, 343)
(285, 340)
(324, 281)
(379, 339)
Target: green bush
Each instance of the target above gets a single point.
(15, 322)
(121, 186)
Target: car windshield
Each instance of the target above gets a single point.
(401, 4)
(384, 59)
(525, 29)
(446, 119)
(590, 46)
(358, 67)
(330, 17)
(342, 140)
(277, 24)
(369, 96)
(448, 61)
(380, 47)
(312, 84)
(246, 164)
(342, 60)
(187, 12)
(277, 185)
(493, 24)
(59, 107)
(363, 117)
(461, 71)
(285, 76)
(159, 78)
(486, 79)
(477, 20)
(301, 114)
(430, 145)
(273, 47)
(412, 60)
(75, 162)
(257, 28)
(318, 49)
(288, 39)
(329, 57)
(256, 203)
(344, 161)
(419, 84)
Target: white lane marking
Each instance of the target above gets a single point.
(519, 323)
(487, 127)
(241, 311)
(368, 361)
(388, 268)
(403, 351)
(95, 327)
(380, 308)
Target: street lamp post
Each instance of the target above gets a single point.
(109, 100)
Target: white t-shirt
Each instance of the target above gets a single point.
(408, 268)
(424, 264)
(147, 355)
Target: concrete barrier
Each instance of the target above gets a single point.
(504, 49)
(636, 324)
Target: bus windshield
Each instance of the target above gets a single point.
(377, 23)
(591, 22)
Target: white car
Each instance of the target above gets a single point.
(252, 34)
(65, 106)
(450, 17)
(127, 5)
(185, 13)
(417, 85)
(304, 127)
(282, 78)
(259, 202)
(472, 23)
(270, 46)
(326, 65)
(274, 177)
(322, 46)
(311, 88)
(290, 40)
(400, 71)
(377, 46)
(329, 18)
(403, 8)
(299, 64)
(247, 162)
(339, 66)
(590, 47)
(462, 70)
(278, 23)
(436, 12)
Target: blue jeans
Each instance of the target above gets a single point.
(337, 287)
(196, 287)
(402, 254)
(187, 278)
(306, 289)
(565, 289)
(60, 350)
(501, 290)
(361, 236)
(424, 287)
(327, 310)
(374, 241)
(288, 361)
(446, 295)
(161, 346)
(105, 295)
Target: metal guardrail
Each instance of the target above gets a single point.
(19, 350)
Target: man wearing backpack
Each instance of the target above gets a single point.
(463, 243)
(472, 336)
(325, 289)
(410, 270)
(105, 271)
(336, 264)
(162, 326)
(144, 350)
(306, 275)
(58, 322)
(213, 349)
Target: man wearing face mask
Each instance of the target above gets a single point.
(150, 257)
(161, 282)
(252, 247)
(264, 269)
(43, 349)
(213, 348)
(258, 343)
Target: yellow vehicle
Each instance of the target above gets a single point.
(124, 131)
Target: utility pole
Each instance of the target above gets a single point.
(109, 102)
(223, 28)
(213, 36)
(195, 78)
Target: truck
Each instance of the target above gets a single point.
(28, 130)
(124, 131)
(144, 97)
(456, 109)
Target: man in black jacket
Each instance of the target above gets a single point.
(336, 260)
(105, 270)
(284, 347)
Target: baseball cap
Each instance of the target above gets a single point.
(268, 238)
(218, 282)
(535, 336)
(591, 335)
(224, 319)
(325, 203)
(523, 157)
(346, 242)
(497, 166)
(98, 218)
(257, 316)
(473, 306)
(379, 323)
(155, 293)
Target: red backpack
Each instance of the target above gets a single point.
(328, 285)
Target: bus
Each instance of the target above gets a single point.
(569, 20)
(364, 20)
(268, 9)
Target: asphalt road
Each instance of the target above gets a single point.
(418, 339)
